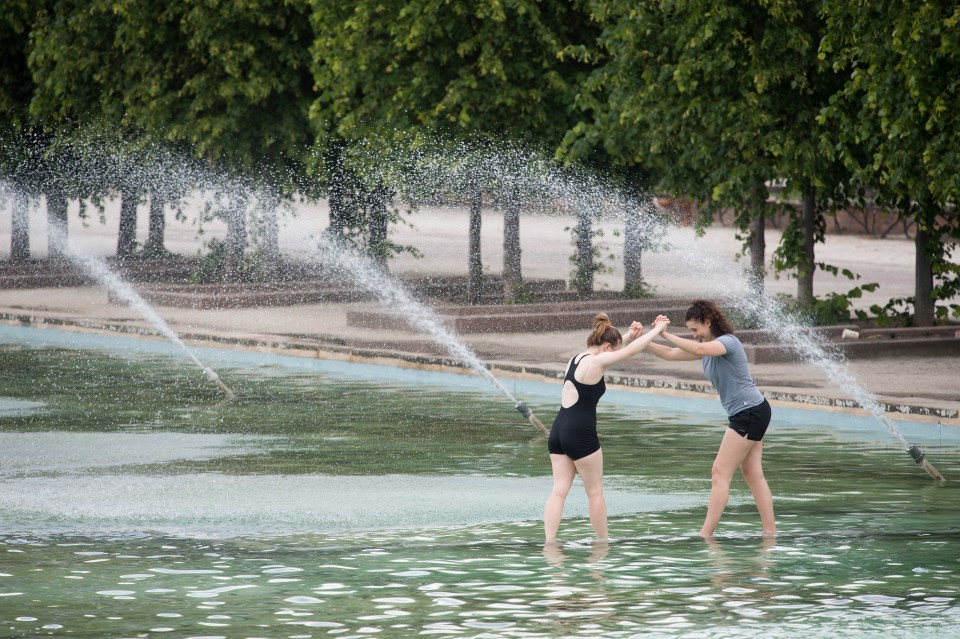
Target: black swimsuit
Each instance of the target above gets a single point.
(574, 431)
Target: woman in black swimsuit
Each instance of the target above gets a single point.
(573, 444)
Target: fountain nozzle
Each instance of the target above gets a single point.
(213, 377)
(526, 412)
(921, 459)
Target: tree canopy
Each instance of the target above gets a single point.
(701, 99)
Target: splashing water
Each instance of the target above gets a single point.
(430, 170)
(117, 286)
(812, 348)
(111, 281)
(394, 295)
(733, 290)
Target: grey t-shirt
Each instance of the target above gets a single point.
(730, 375)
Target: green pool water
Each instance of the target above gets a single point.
(344, 500)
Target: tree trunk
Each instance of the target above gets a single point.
(807, 266)
(269, 265)
(127, 234)
(377, 225)
(337, 193)
(512, 278)
(235, 243)
(57, 227)
(158, 224)
(583, 238)
(474, 262)
(758, 248)
(923, 304)
(20, 228)
(633, 285)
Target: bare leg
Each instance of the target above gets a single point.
(752, 469)
(733, 450)
(591, 472)
(563, 473)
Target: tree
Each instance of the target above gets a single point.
(713, 100)
(228, 81)
(16, 86)
(898, 114)
(73, 66)
(470, 71)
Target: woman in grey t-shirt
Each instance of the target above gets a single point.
(725, 365)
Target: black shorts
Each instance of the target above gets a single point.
(752, 423)
(573, 434)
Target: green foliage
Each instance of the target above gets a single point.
(713, 98)
(830, 310)
(639, 291)
(789, 253)
(837, 304)
(212, 267)
(833, 308)
(522, 295)
(231, 81)
(475, 68)
(16, 84)
(896, 312)
(899, 312)
(706, 98)
(583, 272)
(897, 117)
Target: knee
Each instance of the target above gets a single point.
(752, 475)
(720, 474)
(560, 491)
(595, 492)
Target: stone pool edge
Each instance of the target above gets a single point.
(946, 416)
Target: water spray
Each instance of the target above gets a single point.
(733, 290)
(811, 348)
(394, 295)
(110, 280)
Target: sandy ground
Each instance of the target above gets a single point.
(699, 266)
(440, 234)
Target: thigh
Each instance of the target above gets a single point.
(563, 469)
(590, 469)
(733, 450)
(752, 464)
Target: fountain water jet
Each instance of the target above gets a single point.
(392, 294)
(734, 290)
(110, 280)
(812, 348)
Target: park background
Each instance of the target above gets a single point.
(810, 117)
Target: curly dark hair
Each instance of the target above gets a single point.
(703, 310)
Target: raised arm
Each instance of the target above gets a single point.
(634, 347)
(670, 354)
(713, 348)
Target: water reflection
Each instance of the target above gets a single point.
(739, 577)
